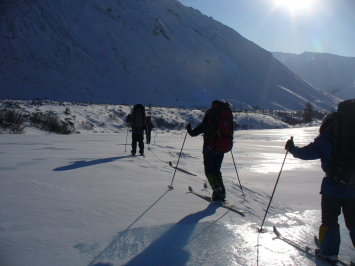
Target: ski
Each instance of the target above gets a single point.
(223, 204)
(311, 251)
(138, 155)
(180, 169)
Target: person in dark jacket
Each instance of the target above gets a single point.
(335, 197)
(212, 161)
(148, 131)
(137, 136)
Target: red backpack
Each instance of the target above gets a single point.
(220, 127)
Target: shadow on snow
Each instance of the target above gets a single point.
(81, 164)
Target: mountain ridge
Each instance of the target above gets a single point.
(154, 52)
(332, 73)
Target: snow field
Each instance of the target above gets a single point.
(82, 200)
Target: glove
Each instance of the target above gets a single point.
(188, 127)
(289, 144)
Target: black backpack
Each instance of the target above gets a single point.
(220, 127)
(341, 168)
(138, 117)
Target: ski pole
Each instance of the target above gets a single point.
(171, 185)
(261, 228)
(237, 175)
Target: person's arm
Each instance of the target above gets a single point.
(196, 131)
(320, 148)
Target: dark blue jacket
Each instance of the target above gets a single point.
(203, 128)
(322, 148)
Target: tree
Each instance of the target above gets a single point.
(308, 112)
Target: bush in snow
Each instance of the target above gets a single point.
(162, 123)
(51, 122)
(87, 125)
(67, 111)
(12, 121)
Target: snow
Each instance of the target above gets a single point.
(108, 118)
(81, 199)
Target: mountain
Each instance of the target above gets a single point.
(158, 52)
(331, 73)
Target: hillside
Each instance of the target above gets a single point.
(331, 73)
(157, 52)
(106, 118)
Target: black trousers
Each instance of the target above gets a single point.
(136, 137)
(213, 163)
(332, 207)
(148, 134)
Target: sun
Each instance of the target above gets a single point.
(294, 6)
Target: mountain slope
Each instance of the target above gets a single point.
(157, 52)
(331, 73)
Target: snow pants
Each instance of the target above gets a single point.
(329, 233)
(136, 137)
(148, 134)
(213, 164)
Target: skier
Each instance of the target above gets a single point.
(335, 196)
(212, 159)
(137, 121)
(150, 126)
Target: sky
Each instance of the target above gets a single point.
(289, 26)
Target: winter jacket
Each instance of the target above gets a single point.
(322, 148)
(202, 128)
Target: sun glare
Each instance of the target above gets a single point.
(294, 6)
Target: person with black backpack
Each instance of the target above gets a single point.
(217, 127)
(335, 147)
(137, 120)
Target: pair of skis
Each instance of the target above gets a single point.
(310, 251)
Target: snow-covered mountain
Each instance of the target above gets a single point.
(146, 51)
(331, 73)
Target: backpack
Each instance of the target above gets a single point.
(138, 117)
(220, 128)
(341, 168)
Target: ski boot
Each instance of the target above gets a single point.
(217, 193)
(331, 258)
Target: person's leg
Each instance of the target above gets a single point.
(349, 217)
(140, 138)
(148, 132)
(212, 165)
(329, 231)
(134, 143)
(218, 173)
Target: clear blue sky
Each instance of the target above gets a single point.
(290, 26)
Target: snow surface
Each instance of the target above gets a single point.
(81, 199)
